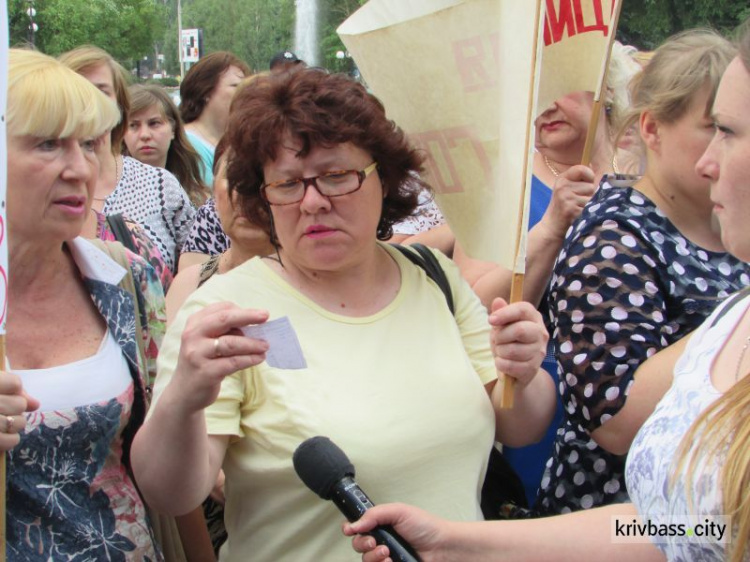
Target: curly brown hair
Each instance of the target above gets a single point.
(320, 110)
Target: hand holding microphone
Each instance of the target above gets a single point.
(326, 470)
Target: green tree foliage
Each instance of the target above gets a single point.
(124, 28)
(647, 23)
(254, 30)
(334, 13)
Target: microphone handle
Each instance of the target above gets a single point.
(399, 549)
(353, 502)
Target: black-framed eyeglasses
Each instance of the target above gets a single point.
(330, 184)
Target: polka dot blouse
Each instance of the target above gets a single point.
(625, 285)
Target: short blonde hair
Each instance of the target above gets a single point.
(622, 68)
(47, 99)
(643, 57)
(86, 57)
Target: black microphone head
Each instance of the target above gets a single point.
(320, 464)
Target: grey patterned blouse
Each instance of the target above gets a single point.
(153, 198)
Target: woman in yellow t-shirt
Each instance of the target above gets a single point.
(359, 345)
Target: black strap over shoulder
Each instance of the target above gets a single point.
(501, 485)
(122, 234)
(425, 259)
(734, 299)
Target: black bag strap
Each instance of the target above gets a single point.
(501, 483)
(734, 299)
(425, 259)
(122, 234)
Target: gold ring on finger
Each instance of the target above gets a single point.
(9, 423)
(217, 353)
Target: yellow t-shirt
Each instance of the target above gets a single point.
(401, 392)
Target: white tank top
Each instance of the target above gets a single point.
(94, 379)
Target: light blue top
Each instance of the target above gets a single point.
(206, 151)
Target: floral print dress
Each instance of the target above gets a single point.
(69, 496)
(146, 248)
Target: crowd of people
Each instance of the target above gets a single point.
(246, 271)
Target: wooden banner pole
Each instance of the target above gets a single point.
(516, 295)
(3, 520)
(519, 268)
(588, 147)
(4, 55)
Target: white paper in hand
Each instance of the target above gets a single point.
(284, 351)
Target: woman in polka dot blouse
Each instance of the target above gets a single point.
(642, 267)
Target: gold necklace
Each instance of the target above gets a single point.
(118, 173)
(555, 171)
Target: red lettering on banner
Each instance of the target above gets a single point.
(555, 23)
(476, 61)
(568, 20)
(598, 25)
(440, 161)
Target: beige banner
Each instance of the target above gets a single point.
(456, 75)
(575, 36)
(437, 66)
